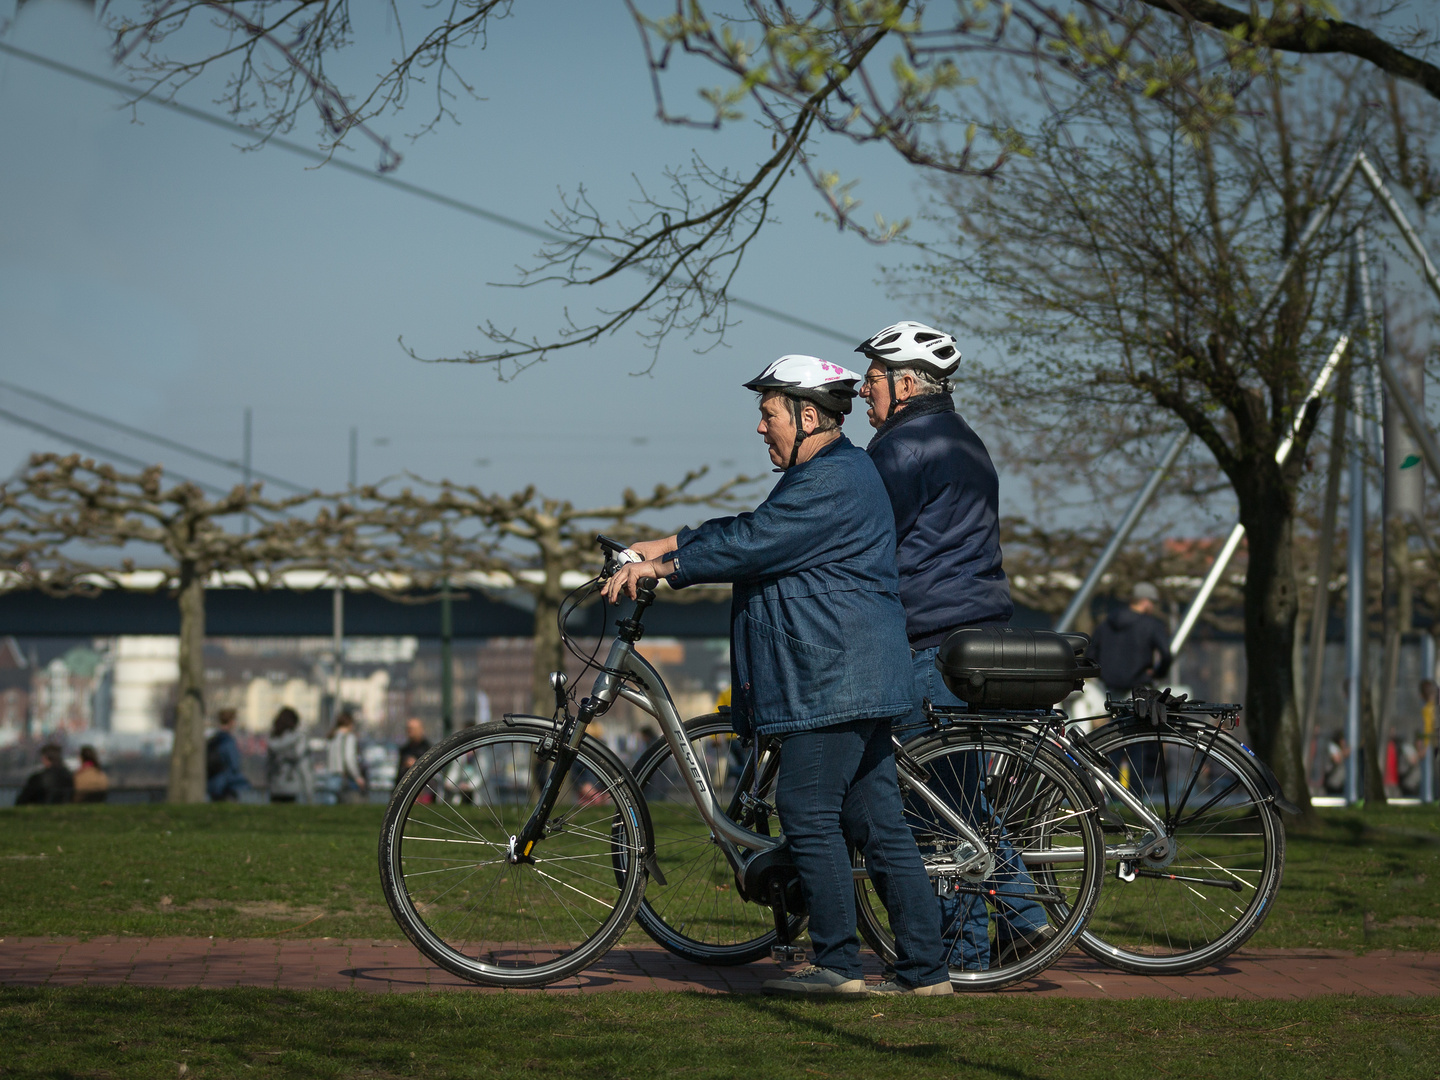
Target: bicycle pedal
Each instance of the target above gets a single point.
(787, 954)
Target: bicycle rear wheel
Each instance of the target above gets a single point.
(446, 874)
(1037, 813)
(1216, 885)
(699, 913)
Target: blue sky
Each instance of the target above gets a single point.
(151, 272)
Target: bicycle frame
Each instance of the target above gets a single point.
(1072, 746)
(731, 836)
(624, 664)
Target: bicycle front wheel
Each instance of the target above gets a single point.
(699, 913)
(446, 870)
(1037, 816)
(1214, 886)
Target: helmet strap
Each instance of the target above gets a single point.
(890, 382)
(797, 410)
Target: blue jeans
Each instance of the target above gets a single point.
(965, 919)
(837, 785)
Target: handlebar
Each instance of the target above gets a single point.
(617, 554)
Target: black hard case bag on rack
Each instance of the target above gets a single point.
(1004, 667)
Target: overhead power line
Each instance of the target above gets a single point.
(159, 440)
(491, 216)
(96, 448)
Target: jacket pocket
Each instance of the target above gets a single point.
(789, 679)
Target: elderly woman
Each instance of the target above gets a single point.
(819, 658)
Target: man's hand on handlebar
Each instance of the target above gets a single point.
(626, 579)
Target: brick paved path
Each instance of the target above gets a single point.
(386, 966)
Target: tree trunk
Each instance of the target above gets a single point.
(1271, 609)
(187, 759)
(549, 652)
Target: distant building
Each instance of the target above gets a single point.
(146, 672)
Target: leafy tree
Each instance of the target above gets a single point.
(912, 77)
(1127, 268)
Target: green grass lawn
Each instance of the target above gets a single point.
(1363, 879)
(248, 1033)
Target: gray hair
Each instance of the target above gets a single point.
(925, 383)
(825, 420)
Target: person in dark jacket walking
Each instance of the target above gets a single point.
(52, 785)
(1132, 644)
(224, 772)
(945, 495)
(818, 658)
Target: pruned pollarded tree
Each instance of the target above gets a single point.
(444, 530)
(1125, 270)
(916, 79)
(69, 526)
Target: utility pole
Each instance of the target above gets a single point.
(337, 645)
(447, 626)
(1355, 599)
(245, 460)
(447, 669)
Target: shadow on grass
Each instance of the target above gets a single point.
(813, 1015)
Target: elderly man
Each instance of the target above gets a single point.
(818, 658)
(945, 496)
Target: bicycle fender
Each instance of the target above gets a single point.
(1277, 796)
(1263, 771)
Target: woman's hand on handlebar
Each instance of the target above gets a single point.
(627, 578)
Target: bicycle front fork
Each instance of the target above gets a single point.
(562, 747)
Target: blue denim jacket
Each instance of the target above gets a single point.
(817, 632)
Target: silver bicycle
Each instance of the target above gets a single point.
(518, 853)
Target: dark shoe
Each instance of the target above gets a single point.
(1023, 945)
(895, 986)
(811, 981)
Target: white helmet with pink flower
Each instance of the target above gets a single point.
(829, 387)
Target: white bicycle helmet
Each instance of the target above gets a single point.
(808, 378)
(912, 345)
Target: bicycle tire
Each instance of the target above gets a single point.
(699, 913)
(1217, 808)
(514, 924)
(1035, 799)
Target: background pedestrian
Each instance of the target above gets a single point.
(52, 784)
(285, 764)
(91, 783)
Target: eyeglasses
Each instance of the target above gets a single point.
(876, 378)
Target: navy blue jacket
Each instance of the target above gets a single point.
(817, 631)
(231, 777)
(1132, 649)
(946, 499)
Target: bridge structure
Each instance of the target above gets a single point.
(243, 612)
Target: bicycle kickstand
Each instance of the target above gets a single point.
(782, 951)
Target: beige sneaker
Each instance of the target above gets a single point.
(895, 986)
(811, 981)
